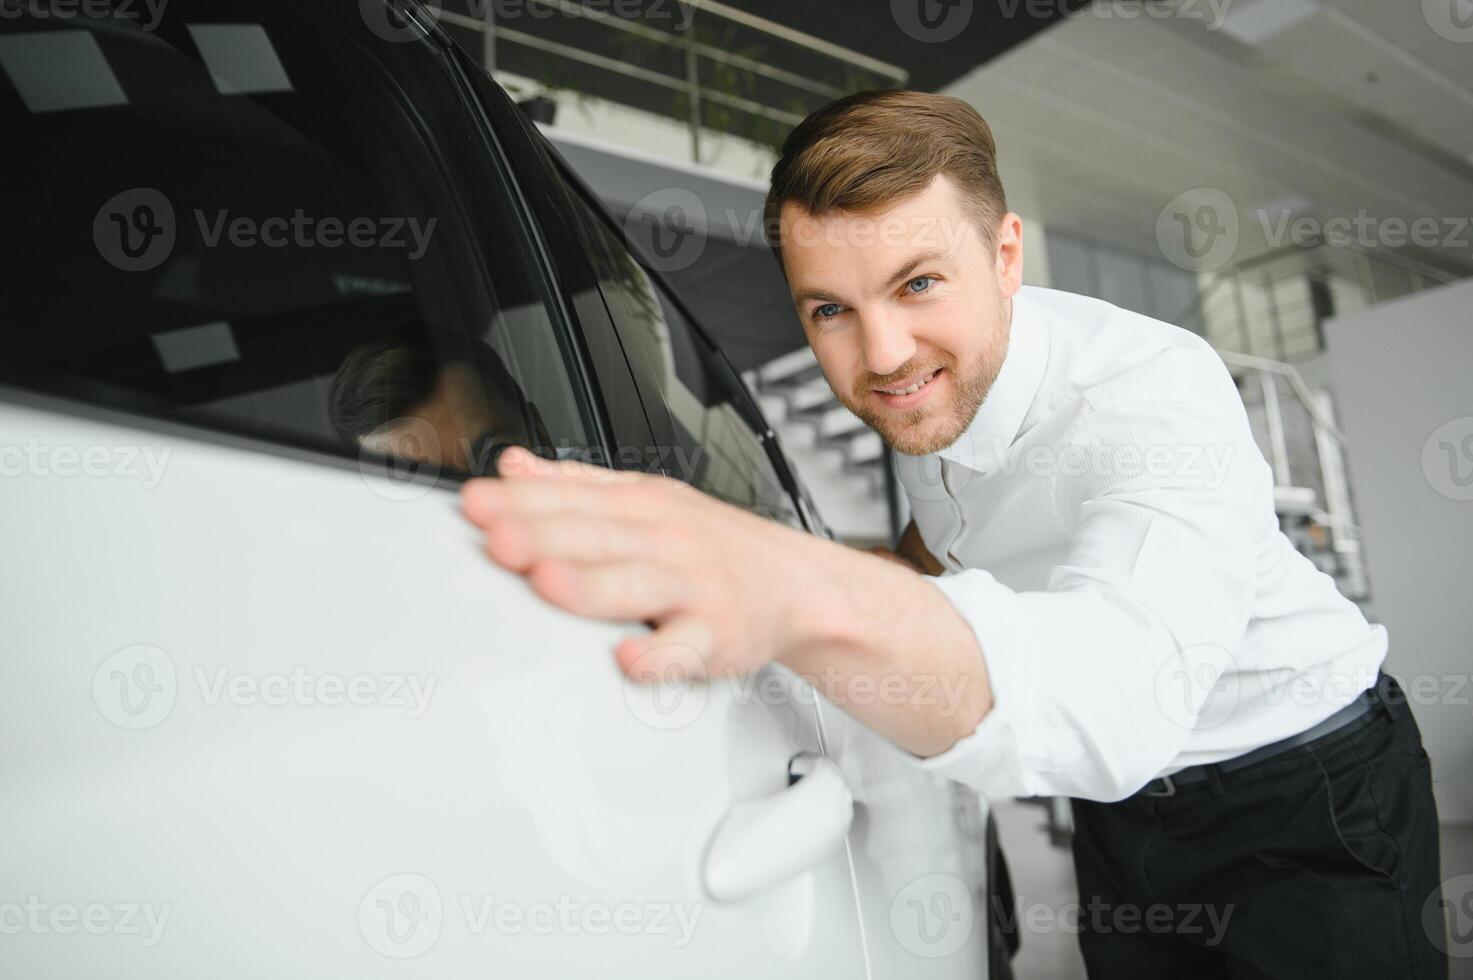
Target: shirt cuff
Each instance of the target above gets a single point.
(990, 758)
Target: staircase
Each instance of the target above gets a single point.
(1264, 314)
(839, 458)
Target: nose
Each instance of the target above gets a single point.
(887, 345)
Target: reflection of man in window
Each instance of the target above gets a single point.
(432, 399)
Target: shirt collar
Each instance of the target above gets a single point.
(1001, 415)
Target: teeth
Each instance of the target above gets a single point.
(913, 388)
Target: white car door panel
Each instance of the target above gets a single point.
(291, 712)
(919, 858)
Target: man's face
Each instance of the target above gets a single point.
(907, 309)
(439, 431)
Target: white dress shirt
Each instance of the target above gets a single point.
(1107, 525)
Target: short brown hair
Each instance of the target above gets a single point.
(868, 149)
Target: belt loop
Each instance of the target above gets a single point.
(1214, 780)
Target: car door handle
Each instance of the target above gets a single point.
(761, 842)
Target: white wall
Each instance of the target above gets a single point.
(1402, 374)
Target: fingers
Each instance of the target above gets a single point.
(540, 488)
(678, 650)
(518, 544)
(619, 590)
(515, 462)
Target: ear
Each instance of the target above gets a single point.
(1010, 254)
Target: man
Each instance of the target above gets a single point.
(1129, 625)
(434, 398)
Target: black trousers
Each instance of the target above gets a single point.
(1312, 865)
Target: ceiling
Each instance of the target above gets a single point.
(1290, 108)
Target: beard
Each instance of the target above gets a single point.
(938, 423)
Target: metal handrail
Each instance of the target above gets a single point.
(633, 71)
(1302, 390)
(817, 45)
(1329, 447)
(1223, 276)
(690, 84)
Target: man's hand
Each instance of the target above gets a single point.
(726, 592)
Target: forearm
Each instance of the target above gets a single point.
(881, 642)
(727, 591)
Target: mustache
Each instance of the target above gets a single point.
(909, 369)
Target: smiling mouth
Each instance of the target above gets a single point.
(913, 386)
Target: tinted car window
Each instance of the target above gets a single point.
(688, 391)
(265, 217)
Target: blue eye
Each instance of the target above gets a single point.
(825, 311)
(923, 282)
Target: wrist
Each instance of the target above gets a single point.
(830, 604)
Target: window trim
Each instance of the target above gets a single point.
(541, 176)
(747, 404)
(570, 340)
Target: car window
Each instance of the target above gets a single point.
(689, 393)
(266, 218)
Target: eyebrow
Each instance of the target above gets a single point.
(904, 271)
(899, 276)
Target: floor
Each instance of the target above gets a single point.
(1043, 878)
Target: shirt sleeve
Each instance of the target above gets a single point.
(1099, 679)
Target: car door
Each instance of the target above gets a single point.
(271, 292)
(918, 842)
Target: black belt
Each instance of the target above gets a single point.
(1163, 786)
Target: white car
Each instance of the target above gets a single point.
(278, 276)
